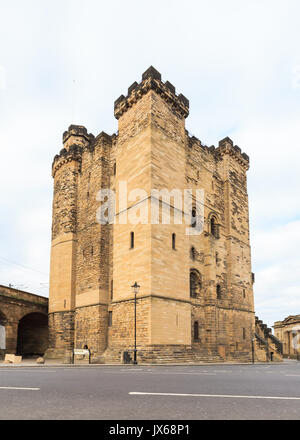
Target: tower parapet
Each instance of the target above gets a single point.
(75, 139)
(77, 134)
(226, 147)
(151, 80)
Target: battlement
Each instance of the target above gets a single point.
(78, 131)
(75, 139)
(225, 147)
(151, 80)
(104, 137)
(74, 153)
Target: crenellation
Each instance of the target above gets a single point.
(133, 86)
(152, 73)
(170, 87)
(151, 80)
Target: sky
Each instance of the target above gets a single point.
(66, 62)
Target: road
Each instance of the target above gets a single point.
(206, 392)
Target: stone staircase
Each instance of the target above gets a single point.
(267, 346)
(162, 355)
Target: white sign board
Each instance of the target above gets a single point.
(2, 338)
(81, 352)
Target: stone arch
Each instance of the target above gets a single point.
(195, 283)
(32, 334)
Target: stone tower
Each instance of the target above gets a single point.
(196, 298)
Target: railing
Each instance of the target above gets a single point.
(277, 342)
(262, 340)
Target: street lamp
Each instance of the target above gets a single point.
(253, 340)
(135, 289)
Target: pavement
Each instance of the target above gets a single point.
(59, 363)
(147, 392)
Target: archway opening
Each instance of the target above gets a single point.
(32, 335)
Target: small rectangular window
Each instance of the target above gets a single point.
(109, 319)
(244, 333)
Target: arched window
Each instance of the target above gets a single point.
(196, 331)
(195, 283)
(214, 227)
(131, 240)
(218, 291)
(174, 241)
(193, 253)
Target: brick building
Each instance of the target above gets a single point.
(196, 296)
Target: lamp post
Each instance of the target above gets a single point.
(253, 340)
(135, 289)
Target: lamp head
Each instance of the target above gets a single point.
(135, 288)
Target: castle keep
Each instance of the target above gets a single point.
(195, 301)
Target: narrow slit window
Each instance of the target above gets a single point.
(193, 253)
(131, 240)
(174, 241)
(193, 218)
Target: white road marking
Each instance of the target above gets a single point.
(132, 369)
(171, 372)
(19, 388)
(212, 395)
(179, 372)
(292, 375)
(29, 371)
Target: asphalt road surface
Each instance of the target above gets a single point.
(206, 392)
